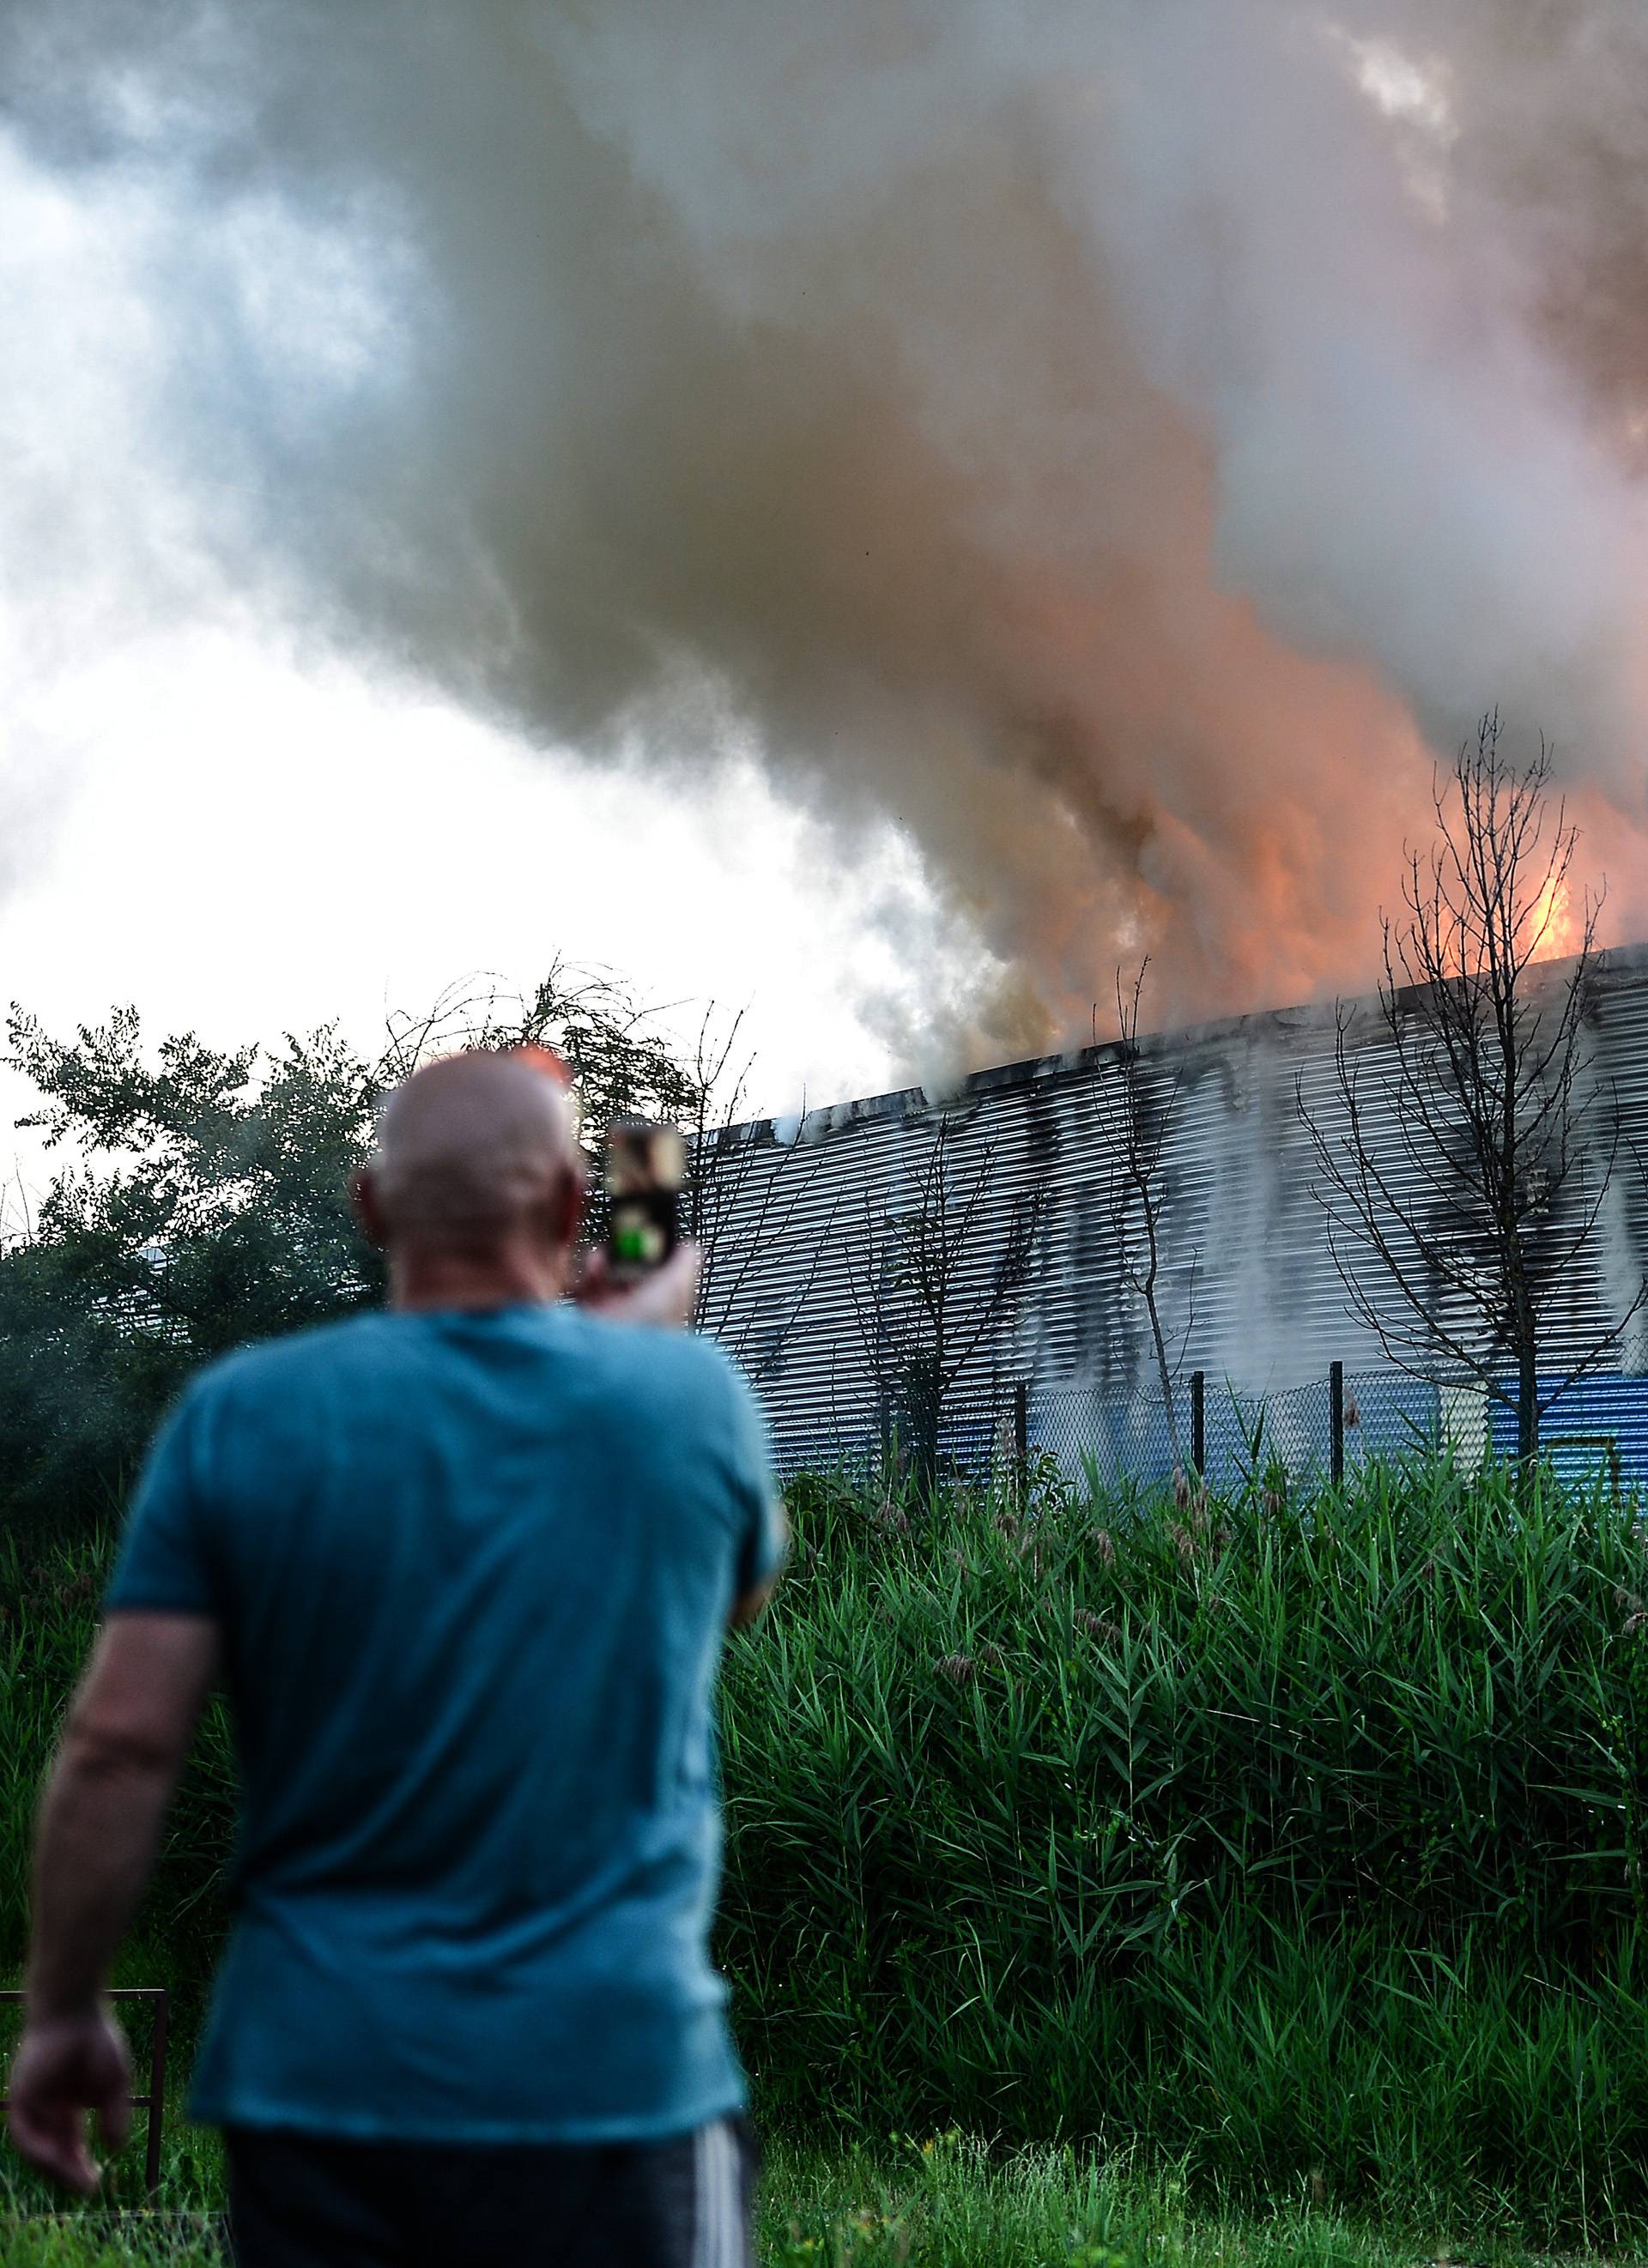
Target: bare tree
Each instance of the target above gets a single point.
(1461, 1165)
(1137, 1125)
(623, 1059)
(744, 1202)
(747, 1205)
(933, 1288)
(720, 1076)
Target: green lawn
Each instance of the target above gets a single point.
(946, 2202)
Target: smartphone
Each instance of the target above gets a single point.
(646, 1171)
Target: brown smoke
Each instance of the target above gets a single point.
(1121, 441)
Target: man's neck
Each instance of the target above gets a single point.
(515, 1276)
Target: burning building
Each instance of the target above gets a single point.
(995, 1206)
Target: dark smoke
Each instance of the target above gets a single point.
(1121, 441)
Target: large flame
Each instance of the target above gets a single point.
(1554, 927)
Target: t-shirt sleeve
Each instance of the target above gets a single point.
(163, 1563)
(763, 1535)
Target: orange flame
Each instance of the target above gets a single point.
(1554, 929)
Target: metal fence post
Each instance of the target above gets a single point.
(1199, 1422)
(1021, 1436)
(157, 2096)
(1336, 1422)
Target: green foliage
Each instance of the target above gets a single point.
(100, 2239)
(205, 1203)
(623, 1065)
(48, 1601)
(1276, 1836)
(222, 1214)
(1292, 1843)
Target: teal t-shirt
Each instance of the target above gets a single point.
(472, 1573)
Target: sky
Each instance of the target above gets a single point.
(244, 841)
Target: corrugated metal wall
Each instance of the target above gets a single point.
(1249, 1291)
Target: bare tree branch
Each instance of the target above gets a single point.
(1138, 1124)
(1464, 1168)
(929, 1293)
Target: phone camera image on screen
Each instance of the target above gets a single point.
(646, 1168)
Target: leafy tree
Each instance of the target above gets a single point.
(623, 1065)
(204, 1203)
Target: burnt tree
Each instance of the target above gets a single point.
(1136, 1125)
(747, 1207)
(935, 1285)
(1461, 1164)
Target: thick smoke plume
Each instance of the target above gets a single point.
(1122, 440)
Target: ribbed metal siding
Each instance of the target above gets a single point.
(1245, 1239)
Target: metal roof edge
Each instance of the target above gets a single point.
(1612, 964)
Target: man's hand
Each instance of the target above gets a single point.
(666, 1295)
(65, 2066)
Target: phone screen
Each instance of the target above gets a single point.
(646, 1168)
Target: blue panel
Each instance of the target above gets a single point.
(1601, 1409)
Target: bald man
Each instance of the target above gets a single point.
(464, 1566)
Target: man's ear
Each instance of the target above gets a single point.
(557, 1214)
(554, 1218)
(363, 1194)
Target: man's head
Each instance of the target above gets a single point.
(476, 1173)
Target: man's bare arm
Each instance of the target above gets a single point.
(105, 1804)
(750, 1605)
(128, 1730)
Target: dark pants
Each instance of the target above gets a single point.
(301, 2201)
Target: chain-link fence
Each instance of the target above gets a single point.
(1321, 1426)
(1324, 1426)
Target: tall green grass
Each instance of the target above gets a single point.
(49, 1600)
(1296, 1839)
(1293, 1841)
(946, 2202)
